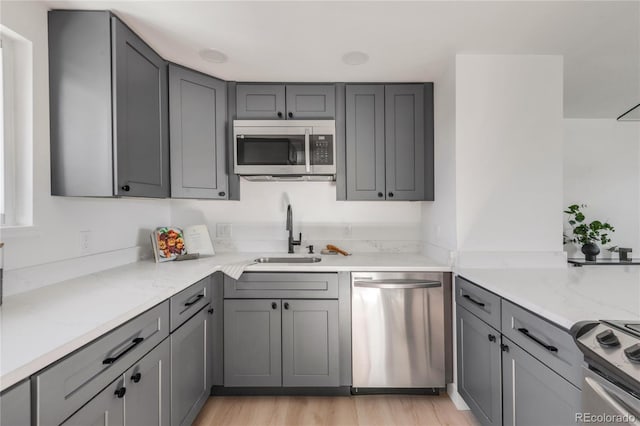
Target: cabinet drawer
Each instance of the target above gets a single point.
(485, 305)
(188, 302)
(257, 285)
(70, 383)
(546, 342)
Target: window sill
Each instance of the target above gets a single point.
(18, 231)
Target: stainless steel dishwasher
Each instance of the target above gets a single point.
(400, 337)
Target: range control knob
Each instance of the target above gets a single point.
(608, 339)
(633, 353)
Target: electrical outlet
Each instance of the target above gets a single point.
(223, 230)
(347, 230)
(85, 242)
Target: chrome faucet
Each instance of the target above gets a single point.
(292, 242)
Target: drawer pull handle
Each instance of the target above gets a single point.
(492, 338)
(195, 300)
(136, 377)
(120, 392)
(466, 296)
(135, 342)
(538, 341)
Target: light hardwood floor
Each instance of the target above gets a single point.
(383, 410)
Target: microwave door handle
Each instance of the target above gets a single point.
(307, 161)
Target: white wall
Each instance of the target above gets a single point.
(509, 132)
(439, 216)
(258, 220)
(115, 224)
(602, 170)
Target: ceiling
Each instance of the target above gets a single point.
(406, 41)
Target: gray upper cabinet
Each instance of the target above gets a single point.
(197, 116)
(479, 367)
(291, 101)
(389, 142)
(252, 342)
(404, 141)
(260, 101)
(310, 343)
(534, 394)
(311, 101)
(15, 405)
(365, 142)
(108, 109)
(190, 365)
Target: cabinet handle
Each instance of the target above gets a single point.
(279, 114)
(120, 392)
(136, 377)
(221, 194)
(492, 338)
(380, 195)
(195, 300)
(210, 311)
(391, 194)
(135, 342)
(466, 296)
(126, 188)
(286, 305)
(505, 348)
(538, 341)
(274, 305)
(290, 114)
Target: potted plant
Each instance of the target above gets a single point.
(587, 234)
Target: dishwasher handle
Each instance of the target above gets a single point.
(397, 284)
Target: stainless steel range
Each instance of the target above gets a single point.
(611, 386)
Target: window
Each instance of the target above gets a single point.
(16, 129)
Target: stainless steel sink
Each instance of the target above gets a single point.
(288, 260)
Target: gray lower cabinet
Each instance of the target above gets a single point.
(533, 393)
(310, 343)
(190, 366)
(479, 367)
(108, 109)
(15, 405)
(252, 343)
(138, 397)
(197, 117)
(269, 101)
(389, 142)
(105, 409)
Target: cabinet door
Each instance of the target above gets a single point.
(365, 142)
(533, 393)
(252, 351)
(141, 111)
(190, 363)
(260, 101)
(197, 117)
(15, 405)
(404, 141)
(311, 101)
(105, 409)
(148, 395)
(479, 367)
(310, 343)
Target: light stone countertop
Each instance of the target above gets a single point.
(42, 326)
(565, 296)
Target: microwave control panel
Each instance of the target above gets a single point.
(321, 147)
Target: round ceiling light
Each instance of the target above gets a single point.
(213, 55)
(355, 58)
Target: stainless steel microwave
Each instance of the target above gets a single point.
(289, 149)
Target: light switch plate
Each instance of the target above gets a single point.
(223, 230)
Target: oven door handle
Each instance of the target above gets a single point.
(610, 400)
(307, 157)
